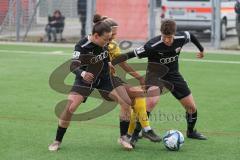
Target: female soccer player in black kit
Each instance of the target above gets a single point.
(163, 51)
(139, 101)
(91, 65)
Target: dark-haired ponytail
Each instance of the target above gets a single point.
(97, 18)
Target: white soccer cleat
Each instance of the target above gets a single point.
(54, 146)
(125, 143)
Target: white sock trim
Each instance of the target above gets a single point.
(148, 128)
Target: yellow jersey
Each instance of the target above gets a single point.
(114, 50)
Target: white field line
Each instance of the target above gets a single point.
(65, 45)
(35, 52)
(210, 61)
(71, 45)
(62, 53)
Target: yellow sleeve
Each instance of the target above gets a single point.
(114, 50)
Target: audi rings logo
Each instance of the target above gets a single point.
(168, 60)
(99, 57)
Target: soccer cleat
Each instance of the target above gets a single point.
(151, 135)
(134, 140)
(54, 146)
(196, 135)
(140, 135)
(125, 142)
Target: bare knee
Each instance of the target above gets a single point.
(73, 107)
(151, 103)
(74, 100)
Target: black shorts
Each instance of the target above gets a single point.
(117, 81)
(174, 82)
(104, 85)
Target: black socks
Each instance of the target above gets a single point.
(123, 127)
(191, 120)
(60, 133)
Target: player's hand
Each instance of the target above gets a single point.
(88, 77)
(200, 55)
(111, 67)
(142, 82)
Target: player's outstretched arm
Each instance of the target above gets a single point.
(196, 42)
(126, 67)
(123, 57)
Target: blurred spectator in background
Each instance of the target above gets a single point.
(237, 10)
(55, 26)
(158, 3)
(82, 13)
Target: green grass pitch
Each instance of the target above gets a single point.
(28, 122)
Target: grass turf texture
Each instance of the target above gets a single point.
(28, 122)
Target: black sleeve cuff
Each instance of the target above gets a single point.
(195, 41)
(75, 67)
(123, 57)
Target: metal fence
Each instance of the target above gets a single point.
(25, 20)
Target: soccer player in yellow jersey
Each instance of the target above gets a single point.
(136, 93)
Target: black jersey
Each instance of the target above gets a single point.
(156, 51)
(95, 58)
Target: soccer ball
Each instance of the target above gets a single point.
(173, 140)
